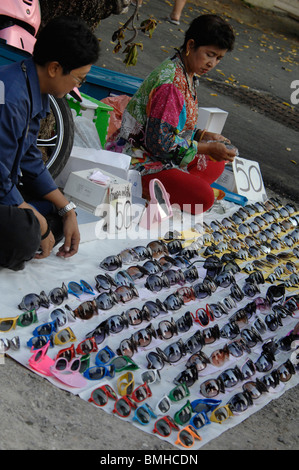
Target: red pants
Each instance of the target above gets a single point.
(192, 190)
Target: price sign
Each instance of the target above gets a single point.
(119, 208)
(248, 179)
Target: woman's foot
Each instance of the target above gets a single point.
(173, 21)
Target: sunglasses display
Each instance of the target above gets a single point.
(199, 342)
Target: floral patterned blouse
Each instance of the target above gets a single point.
(159, 122)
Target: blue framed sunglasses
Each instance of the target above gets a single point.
(99, 372)
(143, 414)
(199, 420)
(104, 356)
(78, 289)
(46, 329)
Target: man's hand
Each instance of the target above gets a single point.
(71, 234)
(46, 246)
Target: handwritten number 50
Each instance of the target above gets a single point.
(252, 177)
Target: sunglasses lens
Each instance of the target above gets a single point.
(25, 319)
(230, 330)
(164, 405)
(221, 414)
(166, 329)
(6, 325)
(158, 249)
(150, 376)
(115, 324)
(163, 428)
(30, 302)
(45, 329)
(173, 352)
(102, 283)
(184, 323)
(252, 389)
(210, 388)
(155, 361)
(39, 341)
(240, 402)
(179, 393)
(219, 357)
(85, 311)
(103, 356)
(141, 394)
(186, 438)
(57, 296)
(184, 415)
(126, 348)
(248, 369)
(61, 364)
(264, 363)
(235, 349)
(143, 416)
(63, 336)
(134, 316)
(111, 263)
(96, 373)
(99, 397)
(229, 378)
(123, 408)
(285, 372)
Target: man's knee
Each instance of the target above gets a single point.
(19, 236)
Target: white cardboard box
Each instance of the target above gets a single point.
(212, 119)
(227, 179)
(89, 195)
(82, 158)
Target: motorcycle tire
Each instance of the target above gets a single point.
(56, 135)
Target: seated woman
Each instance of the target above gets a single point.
(159, 124)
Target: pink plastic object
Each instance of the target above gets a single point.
(159, 207)
(21, 12)
(68, 372)
(40, 362)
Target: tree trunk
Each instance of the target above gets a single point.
(91, 11)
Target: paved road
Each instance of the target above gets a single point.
(252, 83)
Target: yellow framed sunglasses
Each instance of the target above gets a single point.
(221, 414)
(125, 384)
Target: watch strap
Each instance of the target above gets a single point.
(46, 234)
(66, 209)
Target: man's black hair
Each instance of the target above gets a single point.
(210, 30)
(67, 40)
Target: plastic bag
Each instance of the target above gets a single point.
(119, 104)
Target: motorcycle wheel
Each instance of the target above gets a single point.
(56, 136)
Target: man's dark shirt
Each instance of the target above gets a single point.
(19, 154)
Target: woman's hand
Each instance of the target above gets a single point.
(217, 151)
(214, 136)
(204, 136)
(71, 235)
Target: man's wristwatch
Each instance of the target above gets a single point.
(66, 209)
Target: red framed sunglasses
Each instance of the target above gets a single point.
(203, 316)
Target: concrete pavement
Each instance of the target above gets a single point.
(252, 83)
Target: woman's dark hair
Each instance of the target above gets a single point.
(210, 30)
(67, 40)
